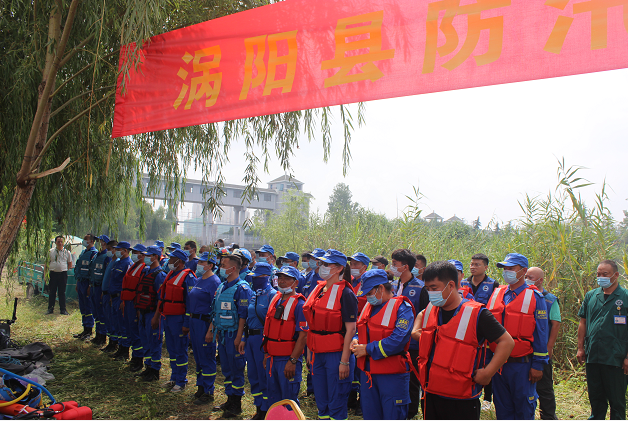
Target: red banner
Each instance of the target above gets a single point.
(301, 54)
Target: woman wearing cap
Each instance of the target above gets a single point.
(331, 312)
(199, 307)
(381, 348)
(263, 293)
(285, 334)
(127, 306)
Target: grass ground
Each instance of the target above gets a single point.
(85, 374)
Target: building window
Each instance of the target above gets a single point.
(267, 197)
(281, 187)
(237, 193)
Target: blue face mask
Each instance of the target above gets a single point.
(119, 254)
(134, 258)
(262, 260)
(260, 282)
(285, 290)
(437, 299)
(415, 271)
(109, 254)
(510, 276)
(312, 264)
(373, 300)
(604, 282)
(223, 273)
(200, 271)
(283, 265)
(305, 265)
(529, 282)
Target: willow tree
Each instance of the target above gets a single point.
(57, 87)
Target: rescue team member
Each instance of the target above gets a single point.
(464, 291)
(603, 343)
(482, 287)
(521, 309)
(305, 265)
(230, 312)
(452, 332)
(199, 309)
(189, 248)
(331, 312)
(163, 261)
(127, 307)
(358, 264)
(291, 259)
(96, 273)
(409, 286)
(171, 313)
(60, 261)
(263, 292)
(285, 335)
(81, 274)
(106, 299)
(145, 306)
(545, 386)
(379, 262)
(266, 254)
(245, 257)
(419, 266)
(381, 348)
(122, 251)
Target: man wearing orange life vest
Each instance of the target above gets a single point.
(171, 313)
(381, 348)
(521, 309)
(452, 332)
(127, 306)
(331, 312)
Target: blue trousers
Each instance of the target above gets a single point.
(331, 393)
(255, 370)
(355, 386)
(118, 323)
(204, 355)
(308, 379)
(106, 314)
(85, 306)
(385, 397)
(177, 346)
(278, 386)
(95, 298)
(513, 394)
(232, 364)
(131, 324)
(152, 340)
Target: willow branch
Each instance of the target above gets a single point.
(51, 171)
(81, 71)
(74, 50)
(56, 111)
(65, 126)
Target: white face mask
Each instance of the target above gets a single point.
(395, 271)
(510, 276)
(355, 273)
(324, 272)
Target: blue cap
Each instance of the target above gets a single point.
(241, 252)
(175, 246)
(514, 259)
(372, 278)
(104, 238)
(317, 253)
(206, 257)
(123, 245)
(334, 256)
(160, 244)
(266, 249)
(291, 256)
(457, 264)
(139, 247)
(360, 257)
(290, 271)
(153, 250)
(261, 269)
(179, 254)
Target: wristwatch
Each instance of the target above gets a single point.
(293, 360)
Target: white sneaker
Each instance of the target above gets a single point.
(177, 389)
(486, 405)
(168, 385)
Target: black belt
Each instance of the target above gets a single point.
(105, 293)
(524, 359)
(324, 332)
(251, 332)
(203, 317)
(114, 296)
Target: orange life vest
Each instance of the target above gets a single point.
(172, 295)
(279, 333)
(145, 294)
(130, 281)
(326, 328)
(517, 318)
(453, 349)
(466, 292)
(378, 327)
(361, 300)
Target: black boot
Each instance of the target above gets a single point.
(353, 399)
(86, 333)
(143, 372)
(136, 364)
(236, 407)
(99, 340)
(358, 409)
(259, 414)
(79, 335)
(122, 354)
(225, 405)
(112, 347)
(151, 375)
(204, 399)
(199, 392)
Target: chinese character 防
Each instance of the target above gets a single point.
(357, 27)
(274, 60)
(204, 85)
(475, 25)
(599, 22)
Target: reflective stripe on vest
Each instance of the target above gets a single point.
(526, 300)
(464, 323)
(426, 314)
(179, 278)
(332, 296)
(388, 312)
(138, 268)
(288, 307)
(491, 304)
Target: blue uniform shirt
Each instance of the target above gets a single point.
(201, 297)
(258, 306)
(307, 285)
(540, 357)
(107, 277)
(94, 271)
(396, 342)
(117, 274)
(412, 290)
(192, 264)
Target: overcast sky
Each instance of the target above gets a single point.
(474, 152)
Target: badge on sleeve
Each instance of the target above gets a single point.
(620, 320)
